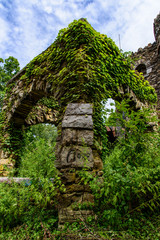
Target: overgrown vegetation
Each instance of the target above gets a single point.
(38, 153)
(27, 210)
(126, 201)
(129, 198)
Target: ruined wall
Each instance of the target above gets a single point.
(148, 60)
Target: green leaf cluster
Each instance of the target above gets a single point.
(38, 152)
(8, 68)
(131, 180)
(83, 59)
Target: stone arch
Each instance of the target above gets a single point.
(41, 114)
(24, 98)
(25, 109)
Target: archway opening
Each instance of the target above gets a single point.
(109, 107)
(159, 51)
(141, 68)
(38, 153)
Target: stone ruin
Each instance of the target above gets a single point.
(148, 61)
(75, 147)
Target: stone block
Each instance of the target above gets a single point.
(57, 161)
(74, 121)
(79, 109)
(85, 137)
(76, 156)
(80, 137)
(75, 188)
(4, 161)
(87, 197)
(69, 136)
(2, 153)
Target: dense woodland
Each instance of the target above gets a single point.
(127, 202)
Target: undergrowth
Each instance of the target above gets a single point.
(127, 197)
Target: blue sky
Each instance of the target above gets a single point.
(28, 27)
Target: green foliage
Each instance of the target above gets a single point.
(82, 58)
(131, 181)
(49, 102)
(28, 206)
(8, 68)
(37, 157)
(28, 209)
(127, 196)
(83, 65)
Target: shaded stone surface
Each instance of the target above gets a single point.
(79, 109)
(78, 121)
(80, 137)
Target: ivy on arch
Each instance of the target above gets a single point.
(81, 65)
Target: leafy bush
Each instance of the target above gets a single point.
(38, 155)
(130, 192)
(127, 197)
(28, 209)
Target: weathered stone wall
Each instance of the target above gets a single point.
(148, 61)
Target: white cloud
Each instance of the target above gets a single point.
(28, 27)
(4, 29)
(136, 22)
(1, 6)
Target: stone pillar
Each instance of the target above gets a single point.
(74, 151)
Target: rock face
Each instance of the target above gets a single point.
(74, 151)
(149, 61)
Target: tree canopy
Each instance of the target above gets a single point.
(8, 68)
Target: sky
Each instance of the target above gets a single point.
(28, 27)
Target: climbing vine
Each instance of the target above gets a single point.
(83, 59)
